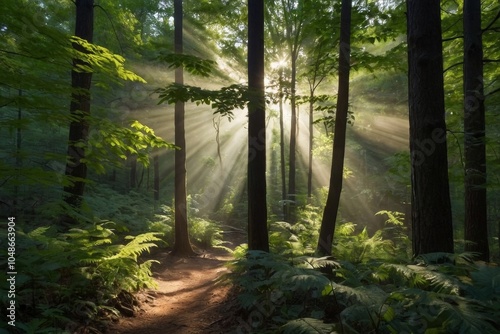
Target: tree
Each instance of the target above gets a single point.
(476, 224)
(329, 219)
(81, 79)
(257, 206)
(293, 19)
(275, 53)
(320, 65)
(182, 246)
(431, 209)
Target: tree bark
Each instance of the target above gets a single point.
(294, 22)
(76, 169)
(293, 141)
(282, 150)
(257, 205)
(431, 209)
(182, 245)
(311, 144)
(476, 223)
(329, 219)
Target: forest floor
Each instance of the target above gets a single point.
(189, 300)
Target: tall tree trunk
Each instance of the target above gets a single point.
(311, 143)
(182, 246)
(76, 169)
(476, 224)
(332, 202)
(292, 195)
(431, 209)
(257, 207)
(282, 150)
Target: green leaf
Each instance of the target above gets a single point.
(309, 326)
(192, 64)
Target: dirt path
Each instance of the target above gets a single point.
(188, 299)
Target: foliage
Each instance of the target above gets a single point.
(325, 105)
(371, 285)
(224, 100)
(94, 56)
(296, 239)
(203, 232)
(109, 144)
(192, 64)
(297, 296)
(78, 276)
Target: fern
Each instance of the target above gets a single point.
(485, 284)
(78, 272)
(137, 245)
(308, 326)
(440, 312)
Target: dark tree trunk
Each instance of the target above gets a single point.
(431, 209)
(293, 142)
(332, 202)
(76, 169)
(311, 143)
(257, 206)
(476, 223)
(182, 246)
(282, 150)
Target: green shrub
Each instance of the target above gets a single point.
(76, 277)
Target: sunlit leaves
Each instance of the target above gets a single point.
(97, 58)
(308, 326)
(192, 64)
(394, 218)
(326, 105)
(109, 143)
(224, 100)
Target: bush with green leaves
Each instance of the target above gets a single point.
(77, 277)
(280, 295)
(371, 286)
(391, 242)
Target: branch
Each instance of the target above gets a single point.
(492, 92)
(487, 60)
(451, 38)
(491, 23)
(113, 26)
(454, 65)
(6, 104)
(22, 55)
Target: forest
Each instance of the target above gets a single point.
(287, 166)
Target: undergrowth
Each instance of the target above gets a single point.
(371, 286)
(80, 280)
(77, 281)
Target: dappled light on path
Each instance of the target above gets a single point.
(188, 299)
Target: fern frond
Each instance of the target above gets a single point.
(317, 262)
(137, 245)
(345, 229)
(298, 279)
(393, 217)
(309, 326)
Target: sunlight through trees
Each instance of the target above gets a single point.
(274, 132)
